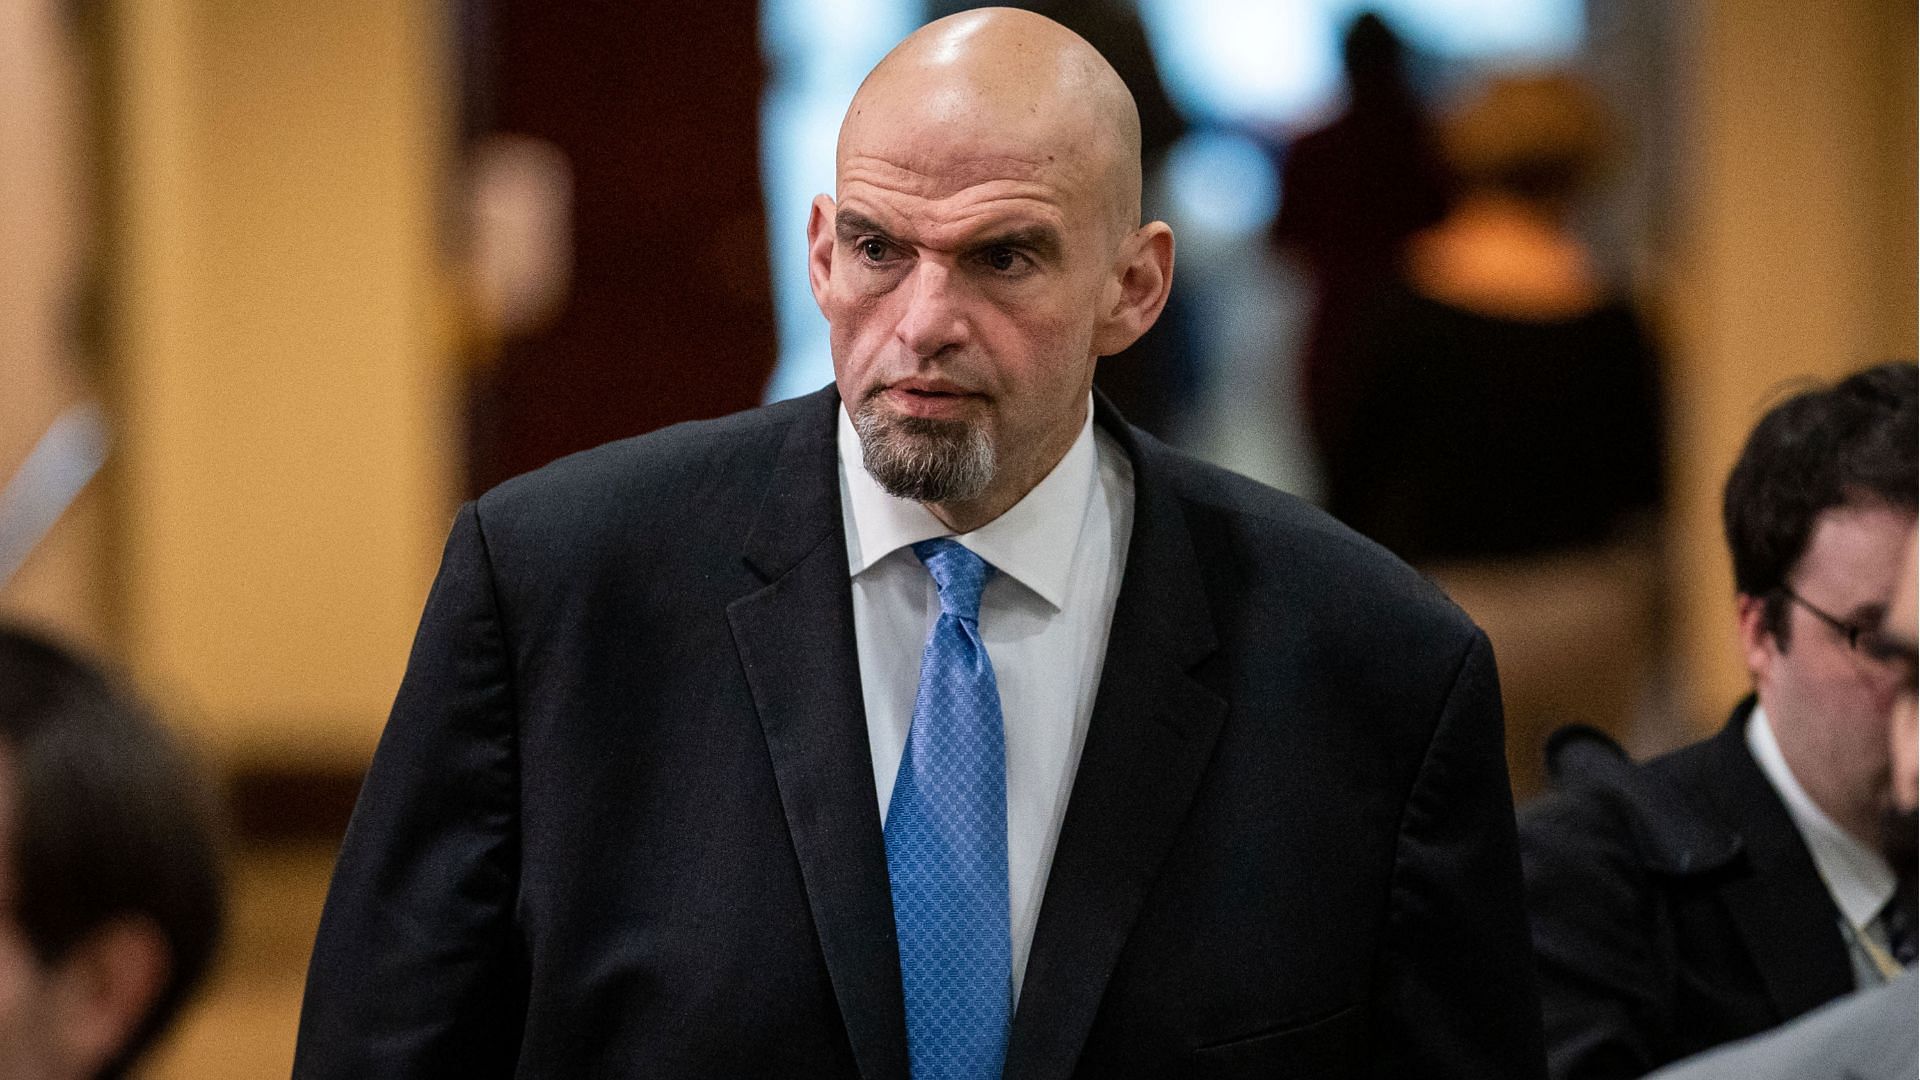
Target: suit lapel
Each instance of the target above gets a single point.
(1151, 735)
(1781, 909)
(796, 643)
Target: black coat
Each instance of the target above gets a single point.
(1674, 906)
(622, 821)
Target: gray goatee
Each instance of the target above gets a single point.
(929, 461)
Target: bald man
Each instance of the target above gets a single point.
(937, 724)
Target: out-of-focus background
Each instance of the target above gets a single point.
(281, 283)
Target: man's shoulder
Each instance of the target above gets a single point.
(1661, 815)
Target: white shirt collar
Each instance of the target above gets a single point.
(1858, 876)
(1032, 543)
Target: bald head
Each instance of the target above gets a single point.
(983, 249)
(1011, 85)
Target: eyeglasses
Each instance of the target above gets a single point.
(1859, 638)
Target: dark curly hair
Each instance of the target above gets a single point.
(112, 818)
(1852, 443)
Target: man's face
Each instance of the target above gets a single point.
(1829, 704)
(963, 274)
(1901, 634)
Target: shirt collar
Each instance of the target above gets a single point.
(1858, 877)
(1033, 543)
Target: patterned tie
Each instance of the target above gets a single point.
(947, 841)
(1898, 919)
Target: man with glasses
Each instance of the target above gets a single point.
(1738, 883)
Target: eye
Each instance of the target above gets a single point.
(872, 249)
(1005, 260)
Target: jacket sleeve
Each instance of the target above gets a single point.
(1603, 984)
(1454, 995)
(418, 970)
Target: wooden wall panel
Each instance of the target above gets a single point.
(286, 476)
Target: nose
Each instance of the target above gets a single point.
(935, 317)
(1905, 733)
(1881, 680)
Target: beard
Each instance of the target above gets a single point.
(929, 461)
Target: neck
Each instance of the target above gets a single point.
(1863, 823)
(966, 517)
(1845, 802)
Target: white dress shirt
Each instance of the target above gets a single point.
(1060, 552)
(1857, 877)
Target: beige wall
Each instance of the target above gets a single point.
(286, 475)
(1797, 253)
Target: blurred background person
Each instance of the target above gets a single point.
(110, 874)
(657, 122)
(1505, 425)
(1728, 887)
(1352, 193)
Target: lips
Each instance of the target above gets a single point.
(932, 398)
(931, 388)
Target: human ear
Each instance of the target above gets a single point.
(1757, 646)
(103, 989)
(1137, 292)
(820, 236)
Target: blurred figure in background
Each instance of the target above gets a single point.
(110, 876)
(613, 348)
(514, 248)
(1350, 195)
(1726, 888)
(1505, 434)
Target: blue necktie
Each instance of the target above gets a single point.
(947, 841)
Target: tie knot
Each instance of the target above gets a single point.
(959, 574)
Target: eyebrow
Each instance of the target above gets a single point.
(849, 225)
(1042, 240)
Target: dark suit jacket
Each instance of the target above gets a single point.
(622, 821)
(1674, 906)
